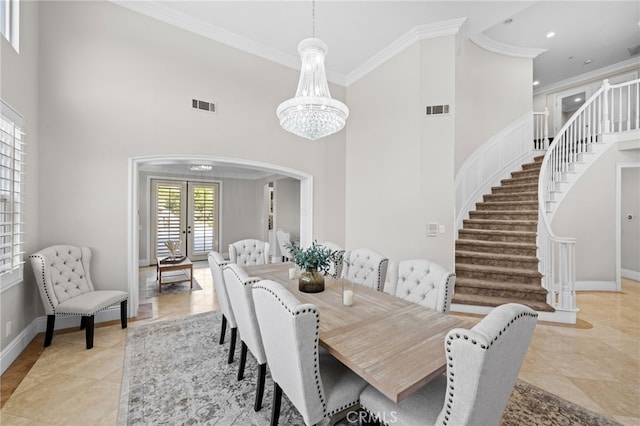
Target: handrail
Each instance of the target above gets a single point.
(607, 110)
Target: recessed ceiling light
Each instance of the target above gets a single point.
(587, 61)
(577, 99)
(535, 83)
(201, 167)
(550, 34)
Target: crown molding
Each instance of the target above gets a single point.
(491, 45)
(421, 32)
(591, 75)
(178, 19)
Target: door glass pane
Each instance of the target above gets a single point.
(168, 217)
(203, 219)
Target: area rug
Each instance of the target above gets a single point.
(175, 372)
(151, 289)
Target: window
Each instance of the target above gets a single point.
(10, 21)
(12, 140)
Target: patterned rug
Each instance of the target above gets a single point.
(151, 289)
(175, 372)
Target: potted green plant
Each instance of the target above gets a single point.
(314, 262)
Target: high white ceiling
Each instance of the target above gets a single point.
(356, 31)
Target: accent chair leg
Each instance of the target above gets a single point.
(48, 337)
(89, 322)
(243, 360)
(83, 323)
(223, 329)
(275, 409)
(123, 313)
(232, 346)
(262, 371)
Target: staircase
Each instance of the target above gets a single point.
(496, 260)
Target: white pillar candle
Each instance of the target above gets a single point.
(347, 297)
(292, 273)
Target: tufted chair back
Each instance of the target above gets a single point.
(63, 276)
(423, 282)
(335, 269)
(290, 334)
(484, 363)
(365, 267)
(249, 252)
(283, 237)
(216, 263)
(63, 273)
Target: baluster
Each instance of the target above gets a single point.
(605, 107)
(628, 107)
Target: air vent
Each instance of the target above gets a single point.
(633, 51)
(437, 109)
(203, 105)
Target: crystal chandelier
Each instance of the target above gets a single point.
(312, 113)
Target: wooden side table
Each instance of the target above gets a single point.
(184, 273)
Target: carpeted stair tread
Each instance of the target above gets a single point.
(509, 189)
(461, 283)
(491, 243)
(512, 196)
(498, 271)
(490, 301)
(508, 205)
(500, 232)
(513, 257)
(519, 180)
(505, 214)
(497, 224)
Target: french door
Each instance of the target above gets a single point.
(187, 212)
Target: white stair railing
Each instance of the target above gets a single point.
(541, 130)
(612, 108)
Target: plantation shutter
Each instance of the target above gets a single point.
(204, 218)
(12, 141)
(169, 216)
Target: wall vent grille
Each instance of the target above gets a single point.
(204, 105)
(437, 109)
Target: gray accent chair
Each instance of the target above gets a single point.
(283, 238)
(423, 282)
(63, 276)
(482, 367)
(336, 269)
(216, 263)
(318, 385)
(365, 267)
(239, 289)
(249, 252)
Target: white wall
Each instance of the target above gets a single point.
(116, 85)
(492, 91)
(588, 214)
(19, 88)
(287, 206)
(399, 163)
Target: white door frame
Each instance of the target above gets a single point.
(619, 168)
(133, 220)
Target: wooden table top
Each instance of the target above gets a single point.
(395, 345)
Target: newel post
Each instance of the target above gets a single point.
(606, 123)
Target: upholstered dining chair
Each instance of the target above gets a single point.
(317, 384)
(249, 252)
(63, 276)
(284, 238)
(366, 267)
(423, 282)
(216, 263)
(239, 289)
(335, 269)
(482, 367)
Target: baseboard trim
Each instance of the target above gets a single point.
(629, 274)
(596, 286)
(39, 325)
(564, 317)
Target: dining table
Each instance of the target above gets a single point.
(395, 345)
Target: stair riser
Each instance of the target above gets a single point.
(513, 294)
(516, 251)
(511, 197)
(520, 181)
(500, 226)
(502, 263)
(504, 277)
(532, 166)
(503, 216)
(470, 235)
(515, 189)
(524, 205)
(526, 173)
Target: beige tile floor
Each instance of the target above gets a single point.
(595, 364)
